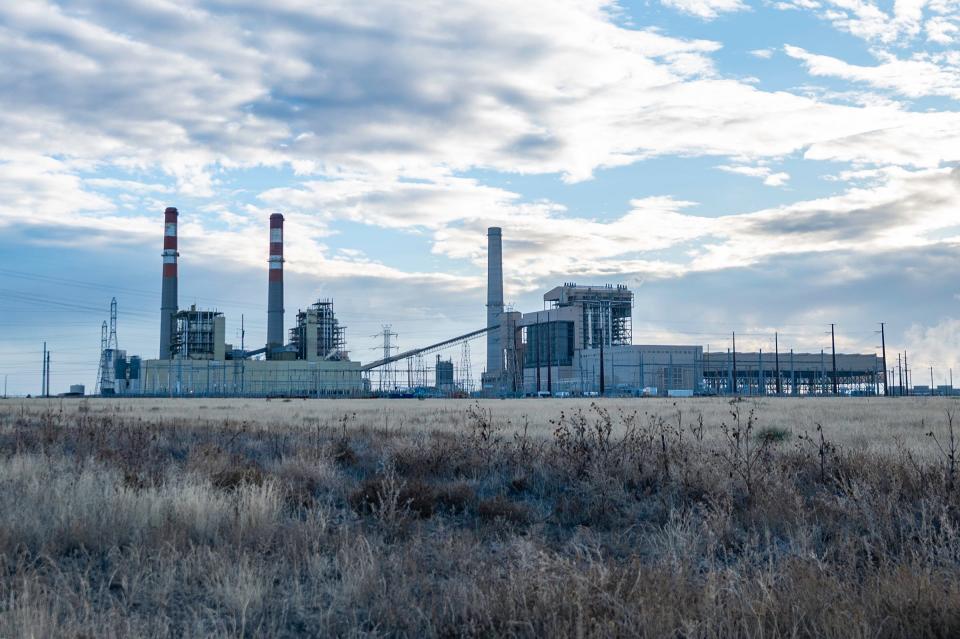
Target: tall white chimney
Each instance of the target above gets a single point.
(494, 299)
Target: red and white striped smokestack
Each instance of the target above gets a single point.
(168, 300)
(275, 292)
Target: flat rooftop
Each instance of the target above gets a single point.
(570, 293)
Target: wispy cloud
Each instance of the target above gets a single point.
(706, 9)
(769, 177)
(922, 75)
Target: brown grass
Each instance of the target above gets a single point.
(695, 519)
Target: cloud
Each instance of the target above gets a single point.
(233, 85)
(38, 191)
(801, 295)
(706, 9)
(380, 123)
(942, 30)
(917, 77)
(906, 209)
(399, 203)
(132, 186)
(658, 237)
(926, 140)
(936, 345)
(868, 20)
(865, 19)
(766, 173)
(777, 179)
(533, 88)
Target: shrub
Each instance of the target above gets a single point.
(225, 471)
(773, 435)
(342, 453)
(244, 472)
(382, 495)
(456, 497)
(501, 508)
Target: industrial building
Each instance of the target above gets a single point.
(581, 344)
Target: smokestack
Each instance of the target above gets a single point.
(168, 302)
(494, 299)
(275, 294)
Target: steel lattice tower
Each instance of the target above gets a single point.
(102, 369)
(112, 340)
(466, 368)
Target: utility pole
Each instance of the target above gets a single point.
(793, 376)
(735, 385)
(906, 373)
(776, 350)
(729, 384)
(549, 355)
(538, 340)
(833, 346)
(900, 374)
(761, 382)
(47, 389)
(823, 373)
(43, 380)
(602, 380)
(931, 381)
(243, 334)
(883, 345)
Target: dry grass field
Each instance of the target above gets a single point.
(686, 518)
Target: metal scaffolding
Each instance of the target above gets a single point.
(197, 334)
(607, 312)
(318, 333)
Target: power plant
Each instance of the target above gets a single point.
(579, 344)
(196, 360)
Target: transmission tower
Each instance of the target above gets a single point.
(112, 342)
(387, 373)
(108, 350)
(421, 372)
(466, 376)
(102, 370)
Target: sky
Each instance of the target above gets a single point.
(758, 167)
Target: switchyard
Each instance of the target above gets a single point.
(792, 374)
(579, 344)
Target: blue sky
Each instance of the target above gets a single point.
(748, 166)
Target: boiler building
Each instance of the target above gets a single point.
(582, 344)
